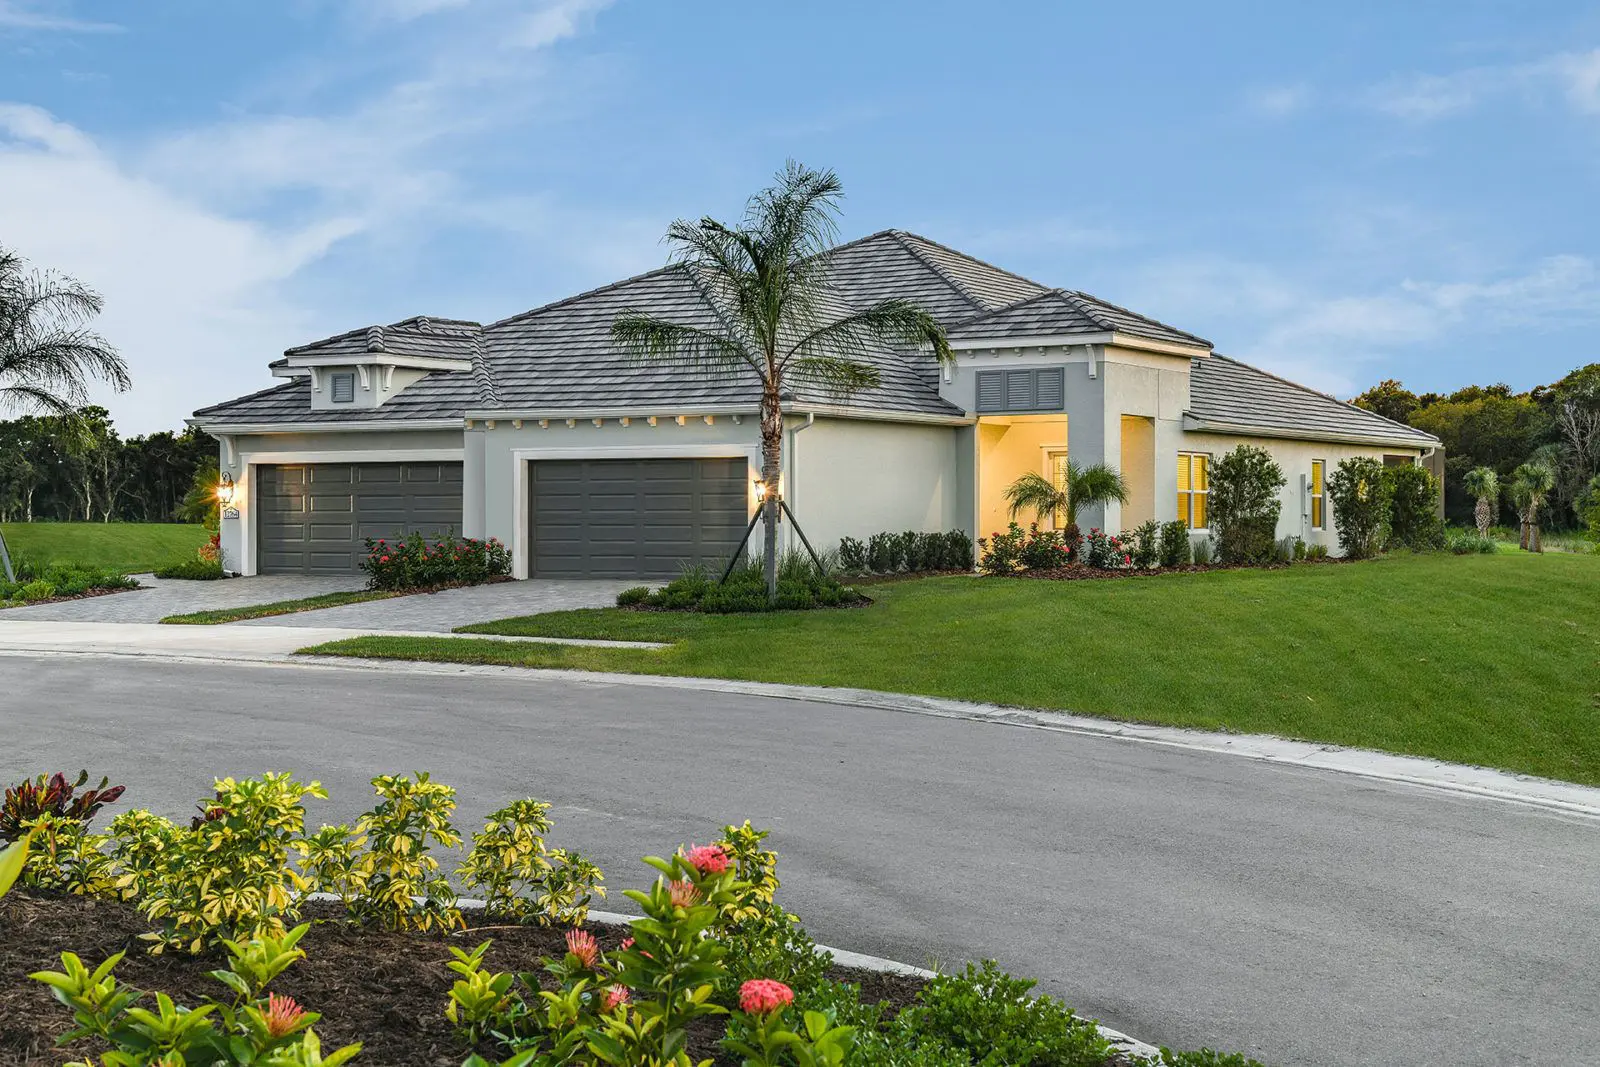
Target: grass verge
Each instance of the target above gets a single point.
(279, 607)
(1487, 660)
(129, 547)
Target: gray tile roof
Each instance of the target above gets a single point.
(1067, 311)
(1226, 391)
(560, 357)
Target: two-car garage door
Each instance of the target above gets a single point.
(602, 518)
(633, 518)
(315, 518)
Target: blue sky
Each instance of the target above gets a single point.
(1340, 193)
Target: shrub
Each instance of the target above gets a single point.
(1467, 542)
(1299, 548)
(1042, 549)
(852, 556)
(1413, 514)
(1284, 549)
(63, 857)
(523, 879)
(228, 874)
(1105, 551)
(194, 570)
(1201, 552)
(801, 585)
(1175, 550)
(897, 553)
(991, 1016)
(1316, 551)
(417, 561)
(1001, 553)
(253, 1027)
(1359, 491)
(1145, 542)
(37, 582)
(636, 595)
(1243, 507)
(401, 887)
(55, 796)
(1204, 1058)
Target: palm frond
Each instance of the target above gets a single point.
(840, 377)
(1036, 493)
(899, 323)
(47, 354)
(647, 338)
(1098, 483)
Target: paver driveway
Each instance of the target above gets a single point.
(457, 607)
(158, 599)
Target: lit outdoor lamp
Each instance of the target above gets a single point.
(225, 490)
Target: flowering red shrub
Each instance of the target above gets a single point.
(417, 561)
(763, 996)
(583, 945)
(708, 859)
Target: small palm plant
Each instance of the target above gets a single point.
(1530, 484)
(1484, 485)
(1081, 487)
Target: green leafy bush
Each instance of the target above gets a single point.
(907, 552)
(1468, 542)
(1175, 551)
(1105, 551)
(37, 582)
(1414, 520)
(1359, 489)
(192, 570)
(1244, 505)
(417, 561)
(1033, 549)
(1201, 552)
(401, 887)
(522, 878)
(635, 595)
(801, 586)
(1145, 544)
(994, 1019)
(1316, 552)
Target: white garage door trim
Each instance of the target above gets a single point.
(248, 461)
(521, 565)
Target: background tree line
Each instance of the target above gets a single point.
(1556, 426)
(76, 467)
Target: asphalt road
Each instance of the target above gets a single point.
(1184, 897)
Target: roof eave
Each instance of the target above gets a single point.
(216, 426)
(1119, 338)
(1195, 424)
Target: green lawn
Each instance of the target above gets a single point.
(1490, 660)
(281, 607)
(131, 547)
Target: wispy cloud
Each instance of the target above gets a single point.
(1277, 101)
(1574, 76)
(45, 16)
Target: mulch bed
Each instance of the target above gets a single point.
(85, 595)
(386, 990)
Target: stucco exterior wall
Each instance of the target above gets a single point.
(858, 477)
(239, 455)
(1010, 446)
(1295, 458)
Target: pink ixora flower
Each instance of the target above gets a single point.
(614, 997)
(763, 996)
(583, 945)
(281, 1015)
(627, 943)
(682, 894)
(708, 859)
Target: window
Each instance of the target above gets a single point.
(1194, 485)
(1318, 498)
(344, 388)
(1022, 390)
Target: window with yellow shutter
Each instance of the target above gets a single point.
(1318, 497)
(1194, 486)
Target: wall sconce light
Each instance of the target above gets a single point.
(225, 490)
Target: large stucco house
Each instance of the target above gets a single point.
(536, 430)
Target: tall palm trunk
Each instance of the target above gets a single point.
(1483, 514)
(771, 467)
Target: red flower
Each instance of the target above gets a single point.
(383, 559)
(682, 894)
(707, 859)
(614, 997)
(281, 1015)
(582, 944)
(763, 996)
(627, 943)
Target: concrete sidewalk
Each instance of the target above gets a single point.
(229, 642)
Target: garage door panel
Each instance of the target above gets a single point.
(633, 518)
(314, 519)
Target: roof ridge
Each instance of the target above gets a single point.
(971, 258)
(586, 293)
(921, 257)
(1135, 314)
(1314, 392)
(1082, 301)
(1024, 302)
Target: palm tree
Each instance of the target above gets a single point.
(1081, 487)
(47, 353)
(1530, 483)
(1484, 484)
(779, 313)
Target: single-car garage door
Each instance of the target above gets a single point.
(314, 519)
(633, 518)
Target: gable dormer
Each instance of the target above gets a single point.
(364, 368)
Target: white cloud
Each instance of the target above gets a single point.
(1580, 72)
(1278, 101)
(44, 16)
(1425, 97)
